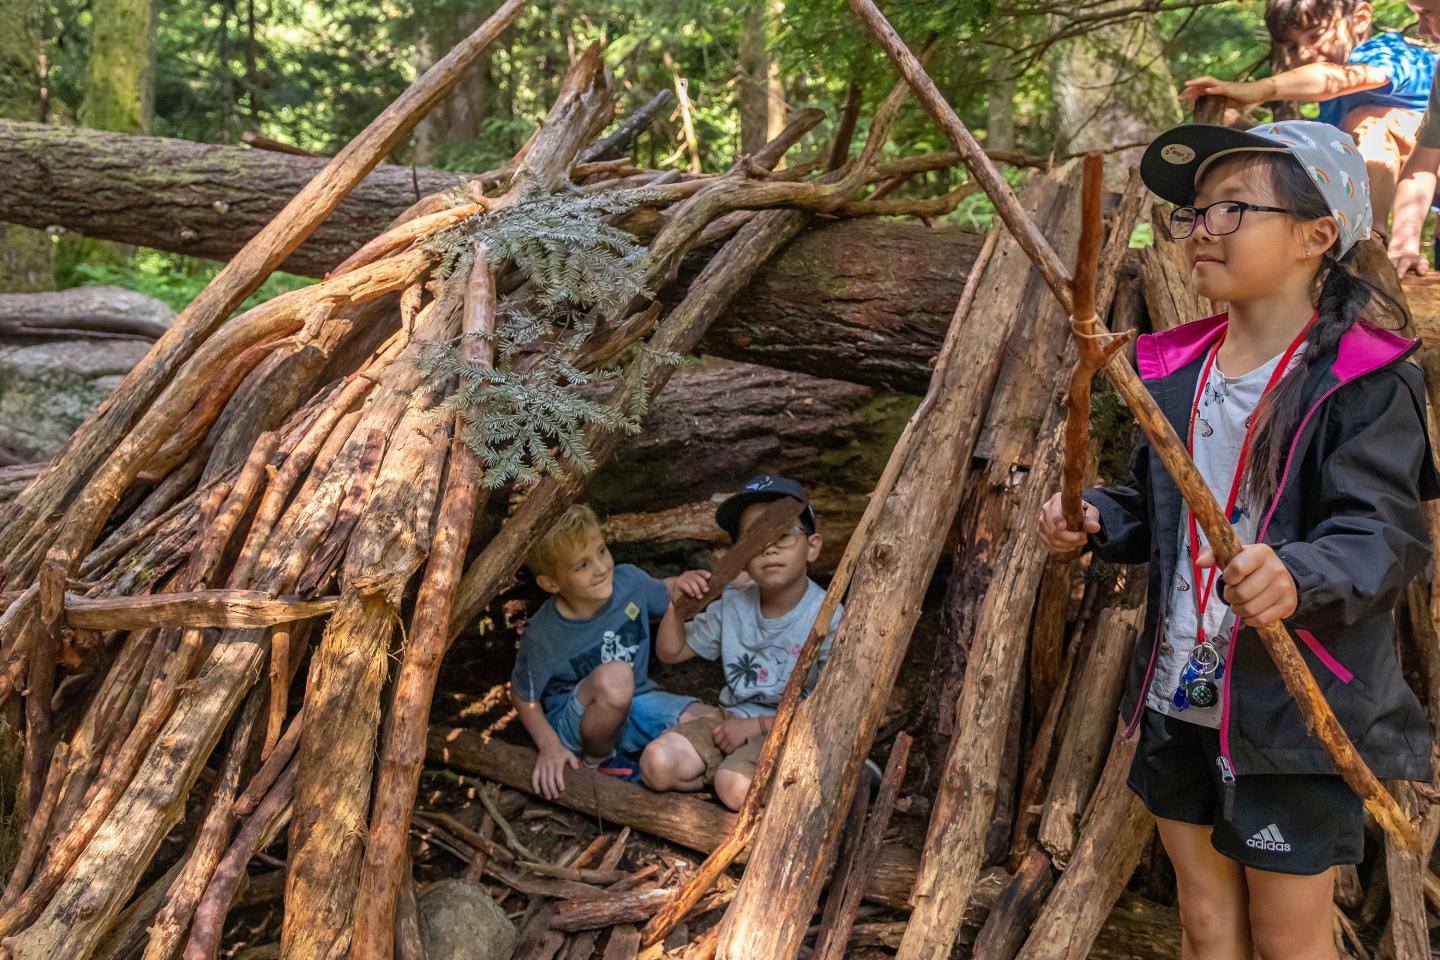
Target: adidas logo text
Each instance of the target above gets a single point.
(1269, 839)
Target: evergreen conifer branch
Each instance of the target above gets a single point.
(527, 423)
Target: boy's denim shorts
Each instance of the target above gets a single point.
(651, 714)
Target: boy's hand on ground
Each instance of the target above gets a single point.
(548, 777)
(1241, 92)
(730, 735)
(1258, 585)
(1053, 531)
(691, 583)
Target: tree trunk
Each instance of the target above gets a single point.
(119, 92)
(854, 300)
(458, 117)
(774, 82)
(120, 86)
(1102, 98)
(26, 256)
(754, 74)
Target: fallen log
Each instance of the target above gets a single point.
(679, 818)
(857, 300)
(99, 312)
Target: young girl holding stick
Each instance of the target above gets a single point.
(1308, 424)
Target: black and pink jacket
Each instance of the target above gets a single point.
(1348, 523)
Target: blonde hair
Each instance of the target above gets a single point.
(564, 538)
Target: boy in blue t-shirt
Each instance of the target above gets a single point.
(581, 683)
(1374, 86)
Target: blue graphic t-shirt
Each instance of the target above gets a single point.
(556, 652)
(1411, 70)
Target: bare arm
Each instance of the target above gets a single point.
(670, 645)
(1313, 81)
(1413, 195)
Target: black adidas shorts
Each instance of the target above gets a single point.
(1285, 823)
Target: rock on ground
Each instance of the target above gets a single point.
(460, 921)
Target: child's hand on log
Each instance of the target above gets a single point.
(730, 735)
(1059, 538)
(548, 777)
(1258, 585)
(691, 583)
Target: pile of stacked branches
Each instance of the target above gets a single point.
(300, 485)
(301, 480)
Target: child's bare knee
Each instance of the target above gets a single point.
(668, 762)
(731, 788)
(1208, 924)
(612, 684)
(657, 764)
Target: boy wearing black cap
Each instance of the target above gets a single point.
(756, 631)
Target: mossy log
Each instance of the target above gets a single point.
(859, 300)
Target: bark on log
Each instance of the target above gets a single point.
(1024, 390)
(1016, 907)
(834, 726)
(1090, 716)
(1117, 827)
(866, 301)
(678, 818)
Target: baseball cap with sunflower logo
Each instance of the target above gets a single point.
(1174, 163)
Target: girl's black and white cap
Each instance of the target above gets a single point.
(1174, 163)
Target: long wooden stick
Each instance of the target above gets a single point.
(402, 751)
(1092, 352)
(833, 942)
(196, 608)
(1319, 718)
(773, 521)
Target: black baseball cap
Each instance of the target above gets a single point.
(761, 489)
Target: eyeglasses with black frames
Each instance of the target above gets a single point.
(1221, 218)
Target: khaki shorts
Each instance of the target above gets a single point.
(698, 733)
(1384, 134)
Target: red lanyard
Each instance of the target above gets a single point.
(1202, 593)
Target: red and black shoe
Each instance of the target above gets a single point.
(621, 767)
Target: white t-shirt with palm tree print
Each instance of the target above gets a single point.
(757, 652)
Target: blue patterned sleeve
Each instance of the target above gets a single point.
(1411, 69)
